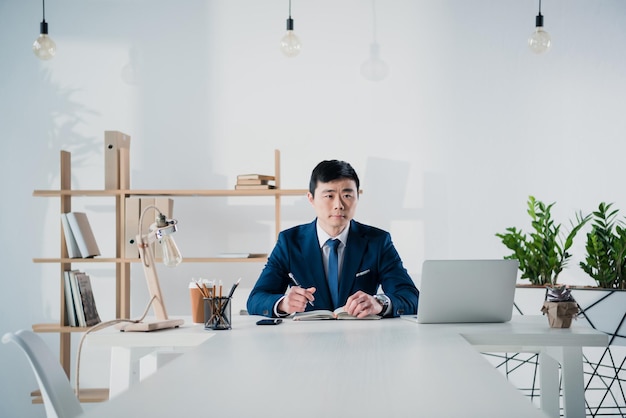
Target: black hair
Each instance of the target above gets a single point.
(330, 170)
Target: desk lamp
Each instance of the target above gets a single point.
(160, 231)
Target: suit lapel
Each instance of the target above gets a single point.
(315, 268)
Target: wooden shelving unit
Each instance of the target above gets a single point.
(122, 276)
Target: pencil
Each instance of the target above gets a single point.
(230, 295)
(204, 295)
(232, 289)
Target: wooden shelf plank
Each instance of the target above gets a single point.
(68, 192)
(78, 260)
(136, 260)
(57, 328)
(224, 260)
(174, 193)
(88, 395)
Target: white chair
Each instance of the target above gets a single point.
(59, 398)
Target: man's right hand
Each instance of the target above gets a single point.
(296, 299)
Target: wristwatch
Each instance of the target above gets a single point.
(384, 302)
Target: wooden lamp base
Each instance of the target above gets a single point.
(150, 325)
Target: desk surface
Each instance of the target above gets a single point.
(391, 367)
(187, 335)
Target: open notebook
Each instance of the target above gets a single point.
(467, 291)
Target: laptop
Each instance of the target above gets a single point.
(457, 291)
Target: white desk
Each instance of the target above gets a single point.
(391, 367)
(555, 347)
(137, 355)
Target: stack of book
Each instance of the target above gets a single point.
(79, 238)
(79, 300)
(255, 181)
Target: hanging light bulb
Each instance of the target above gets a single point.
(539, 41)
(44, 47)
(130, 72)
(290, 44)
(374, 68)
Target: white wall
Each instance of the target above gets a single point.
(449, 145)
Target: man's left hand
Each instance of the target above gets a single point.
(361, 305)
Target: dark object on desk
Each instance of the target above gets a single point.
(274, 321)
(217, 313)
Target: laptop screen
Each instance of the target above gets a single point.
(454, 291)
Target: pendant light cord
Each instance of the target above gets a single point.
(374, 20)
(289, 9)
(43, 7)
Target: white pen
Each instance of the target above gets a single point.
(293, 279)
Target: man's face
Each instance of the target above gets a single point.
(334, 203)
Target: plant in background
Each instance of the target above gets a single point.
(606, 249)
(543, 253)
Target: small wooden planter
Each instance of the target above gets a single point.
(560, 314)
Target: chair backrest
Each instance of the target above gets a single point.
(58, 396)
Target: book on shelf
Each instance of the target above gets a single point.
(69, 300)
(88, 302)
(241, 255)
(79, 300)
(253, 181)
(338, 313)
(254, 186)
(83, 234)
(70, 242)
(78, 303)
(265, 177)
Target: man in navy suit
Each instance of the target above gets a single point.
(366, 257)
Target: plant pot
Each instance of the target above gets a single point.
(604, 310)
(560, 314)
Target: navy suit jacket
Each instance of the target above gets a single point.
(370, 260)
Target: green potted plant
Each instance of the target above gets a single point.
(605, 260)
(542, 256)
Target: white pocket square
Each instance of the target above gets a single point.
(362, 273)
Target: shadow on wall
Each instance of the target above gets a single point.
(58, 117)
(386, 183)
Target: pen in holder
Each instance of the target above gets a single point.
(217, 313)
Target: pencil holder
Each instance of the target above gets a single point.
(217, 313)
